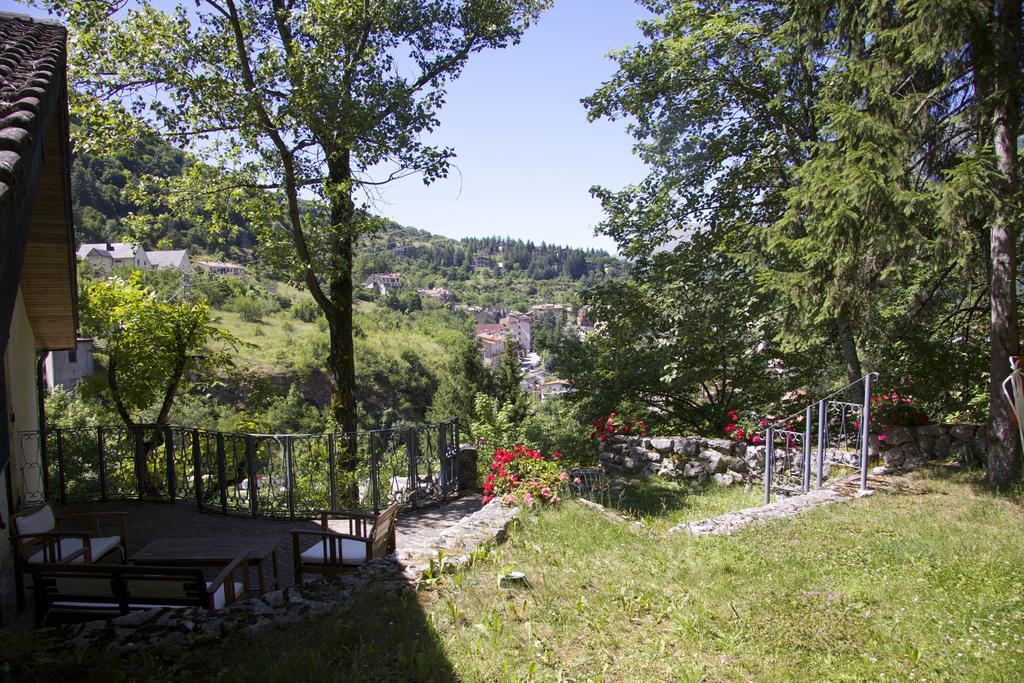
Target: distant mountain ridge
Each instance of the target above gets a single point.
(101, 201)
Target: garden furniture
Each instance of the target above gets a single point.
(206, 551)
(369, 536)
(38, 536)
(76, 592)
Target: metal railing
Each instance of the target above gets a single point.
(834, 435)
(265, 475)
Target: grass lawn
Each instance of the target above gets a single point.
(920, 586)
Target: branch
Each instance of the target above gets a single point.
(287, 162)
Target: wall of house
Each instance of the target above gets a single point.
(60, 370)
(20, 365)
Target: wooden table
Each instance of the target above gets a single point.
(205, 551)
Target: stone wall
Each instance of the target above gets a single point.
(692, 458)
(699, 459)
(906, 447)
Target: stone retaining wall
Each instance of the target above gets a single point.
(906, 447)
(692, 458)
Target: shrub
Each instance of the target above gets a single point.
(894, 410)
(306, 310)
(524, 476)
(615, 424)
(248, 310)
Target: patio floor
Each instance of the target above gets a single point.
(148, 521)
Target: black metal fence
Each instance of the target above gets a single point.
(267, 475)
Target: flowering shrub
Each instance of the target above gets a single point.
(613, 425)
(894, 410)
(747, 428)
(524, 475)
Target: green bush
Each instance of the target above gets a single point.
(248, 309)
(306, 310)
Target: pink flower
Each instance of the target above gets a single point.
(576, 480)
(528, 499)
(563, 476)
(883, 437)
(756, 439)
(762, 423)
(546, 491)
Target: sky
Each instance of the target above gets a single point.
(526, 154)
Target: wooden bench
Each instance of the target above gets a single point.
(79, 592)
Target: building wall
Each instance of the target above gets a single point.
(60, 370)
(20, 366)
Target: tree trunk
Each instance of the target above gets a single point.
(341, 359)
(848, 346)
(1004, 461)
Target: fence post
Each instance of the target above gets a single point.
(412, 454)
(866, 432)
(222, 473)
(455, 444)
(140, 460)
(806, 478)
(442, 458)
(172, 479)
(769, 453)
(101, 443)
(374, 474)
(332, 472)
(197, 467)
(250, 472)
(60, 467)
(289, 463)
(822, 415)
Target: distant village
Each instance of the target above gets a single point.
(65, 368)
(493, 336)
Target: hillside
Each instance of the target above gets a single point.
(478, 271)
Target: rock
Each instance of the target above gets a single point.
(738, 465)
(942, 444)
(663, 446)
(275, 598)
(723, 446)
(689, 446)
(723, 479)
(930, 430)
(716, 461)
(962, 432)
(136, 619)
(693, 469)
(899, 436)
(175, 639)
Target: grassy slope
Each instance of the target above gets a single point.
(897, 587)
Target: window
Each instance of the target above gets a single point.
(73, 356)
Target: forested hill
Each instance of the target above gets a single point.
(102, 199)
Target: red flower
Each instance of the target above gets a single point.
(729, 428)
(734, 417)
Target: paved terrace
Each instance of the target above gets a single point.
(151, 520)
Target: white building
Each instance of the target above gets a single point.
(553, 388)
(176, 259)
(108, 255)
(65, 368)
(382, 282)
(520, 328)
(221, 268)
(436, 293)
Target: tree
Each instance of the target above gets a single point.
(151, 346)
(917, 165)
(295, 106)
(508, 380)
(680, 341)
(462, 377)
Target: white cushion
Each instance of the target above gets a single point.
(100, 547)
(39, 522)
(353, 553)
(218, 595)
(218, 601)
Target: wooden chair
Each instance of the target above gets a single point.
(75, 592)
(369, 536)
(38, 536)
